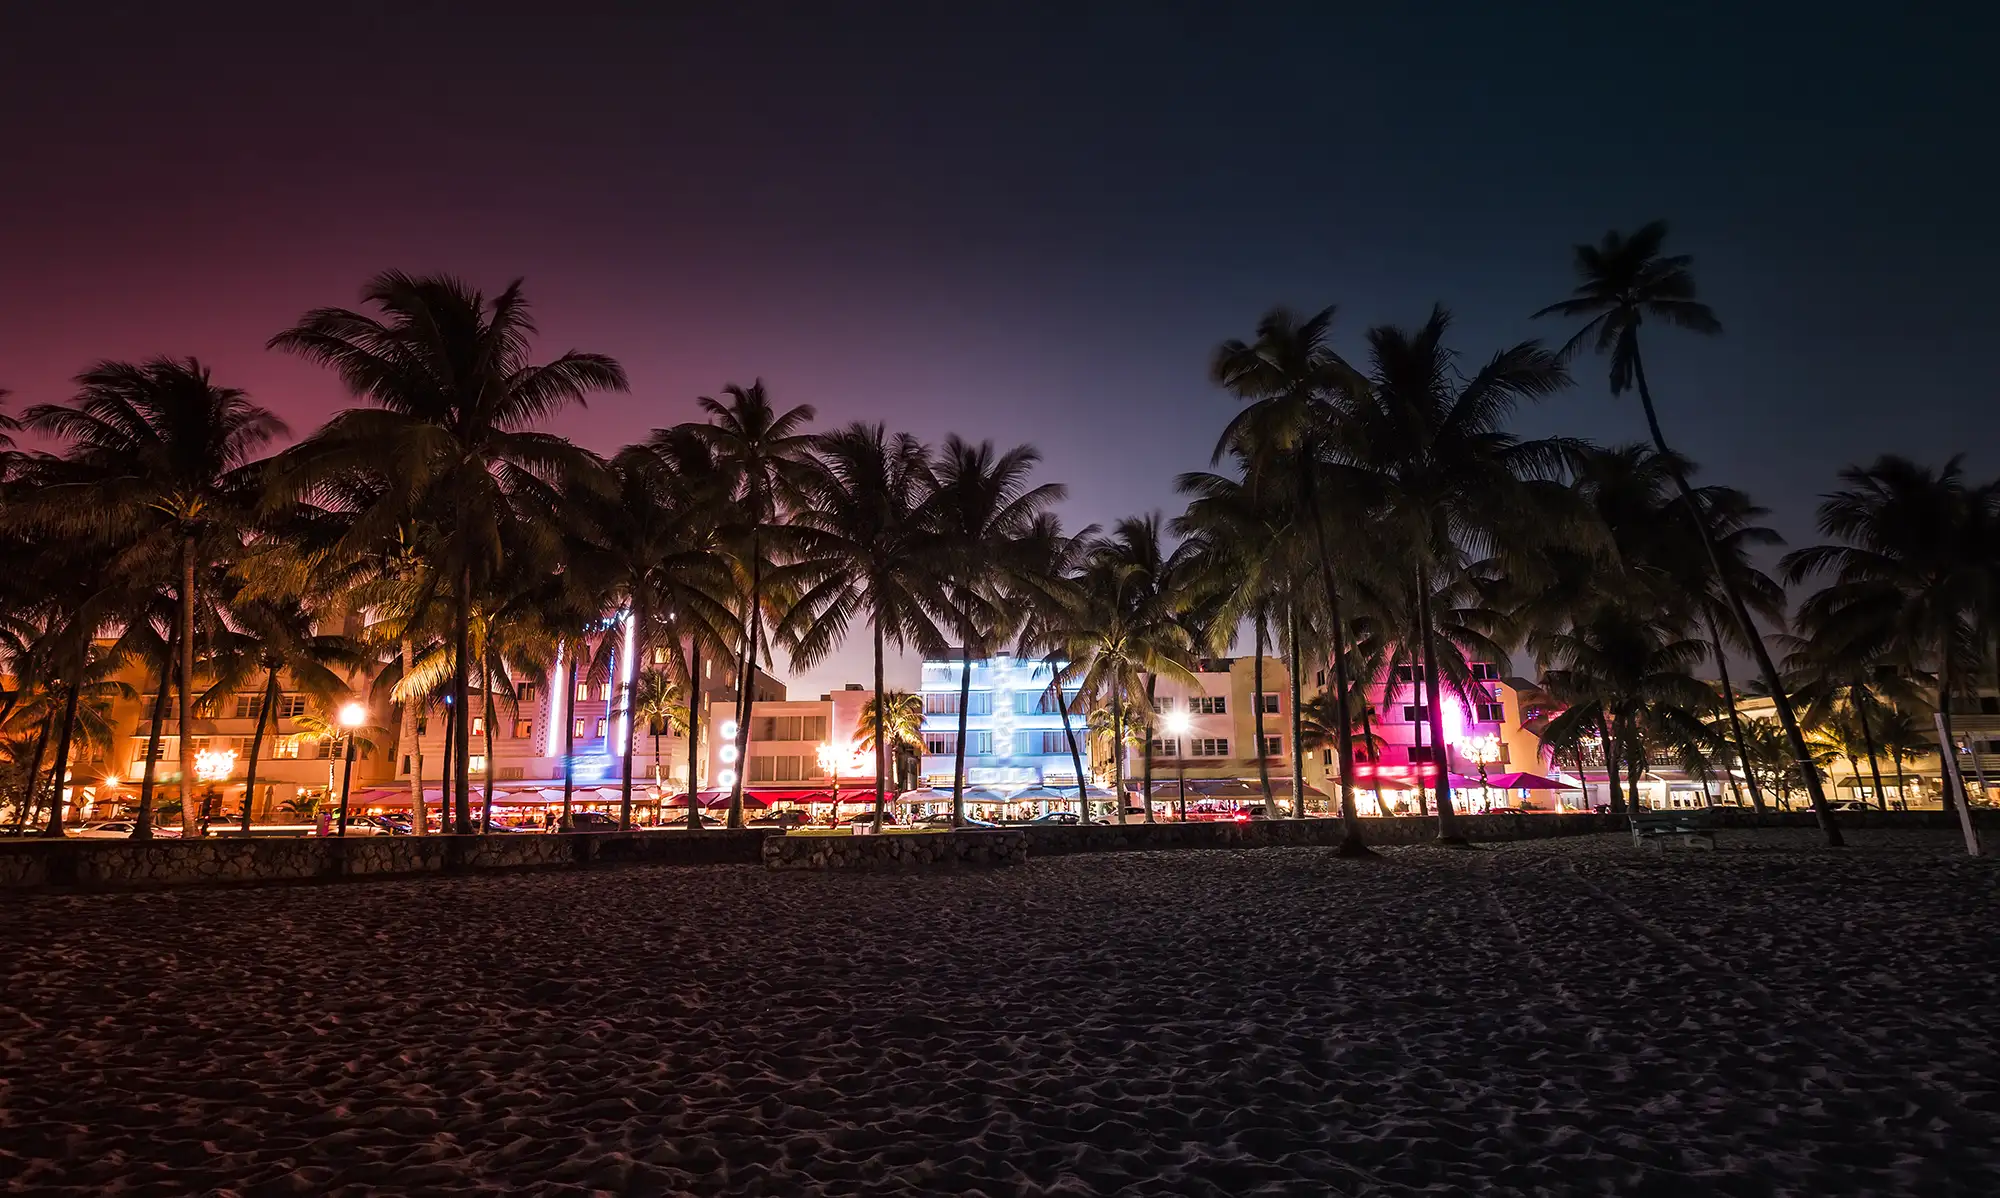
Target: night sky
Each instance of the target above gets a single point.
(1028, 223)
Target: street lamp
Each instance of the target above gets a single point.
(352, 716)
(1178, 723)
(1481, 749)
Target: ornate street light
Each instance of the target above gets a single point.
(352, 716)
(1179, 724)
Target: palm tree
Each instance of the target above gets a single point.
(277, 635)
(659, 702)
(160, 461)
(1448, 482)
(1621, 281)
(867, 549)
(982, 512)
(1128, 633)
(452, 430)
(1051, 602)
(1906, 568)
(765, 453)
(1296, 387)
(905, 715)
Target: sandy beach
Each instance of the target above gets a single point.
(1558, 1018)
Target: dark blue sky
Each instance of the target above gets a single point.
(1025, 222)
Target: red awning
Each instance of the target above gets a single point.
(1526, 781)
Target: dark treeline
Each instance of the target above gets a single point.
(1369, 517)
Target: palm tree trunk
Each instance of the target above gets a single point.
(31, 789)
(407, 733)
(1118, 756)
(1295, 666)
(638, 618)
(486, 775)
(190, 826)
(1858, 696)
(694, 735)
(1257, 709)
(1609, 751)
(1351, 843)
(450, 758)
(1368, 743)
(55, 828)
(746, 684)
(569, 744)
(1768, 669)
(142, 827)
(1075, 753)
(1735, 717)
(881, 735)
(1947, 747)
(1147, 776)
(461, 703)
(257, 744)
(1448, 832)
(958, 751)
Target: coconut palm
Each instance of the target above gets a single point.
(867, 550)
(659, 702)
(456, 399)
(1297, 389)
(766, 455)
(1621, 282)
(983, 510)
(1051, 601)
(904, 715)
(1630, 676)
(1449, 484)
(1906, 568)
(161, 462)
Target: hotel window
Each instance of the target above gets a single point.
(1162, 704)
(478, 763)
(1209, 705)
(1321, 678)
(249, 707)
(1415, 713)
(1485, 671)
(205, 709)
(577, 726)
(1209, 746)
(1169, 747)
(1488, 713)
(285, 746)
(981, 745)
(941, 744)
(479, 725)
(582, 691)
(604, 692)
(940, 703)
(1274, 746)
(660, 655)
(523, 729)
(982, 703)
(291, 707)
(1326, 758)
(793, 727)
(524, 691)
(1270, 703)
(1420, 754)
(600, 727)
(782, 767)
(1056, 744)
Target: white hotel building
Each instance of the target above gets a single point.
(1014, 728)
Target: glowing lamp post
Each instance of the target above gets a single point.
(1483, 750)
(352, 716)
(1179, 724)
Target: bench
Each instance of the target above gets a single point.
(1656, 828)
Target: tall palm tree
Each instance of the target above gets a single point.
(1450, 483)
(1907, 576)
(867, 550)
(659, 703)
(456, 401)
(162, 461)
(766, 454)
(1296, 387)
(1631, 677)
(1051, 602)
(1621, 282)
(982, 513)
(1128, 634)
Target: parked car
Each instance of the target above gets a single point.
(120, 829)
(868, 817)
(943, 820)
(1850, 805)
(1053, 817)
(780, 819)
(592, 821)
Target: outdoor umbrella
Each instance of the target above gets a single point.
(749, 801)
(1526, 781)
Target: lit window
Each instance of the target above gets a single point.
(577, 727)
(600, 728)
(1274, 746)
(478, 763)
(479, 725)
(523, 729)
(582, 691)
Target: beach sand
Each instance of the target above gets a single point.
(1560, 1018)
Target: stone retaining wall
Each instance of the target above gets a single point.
(925, 850)
(120, 864)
